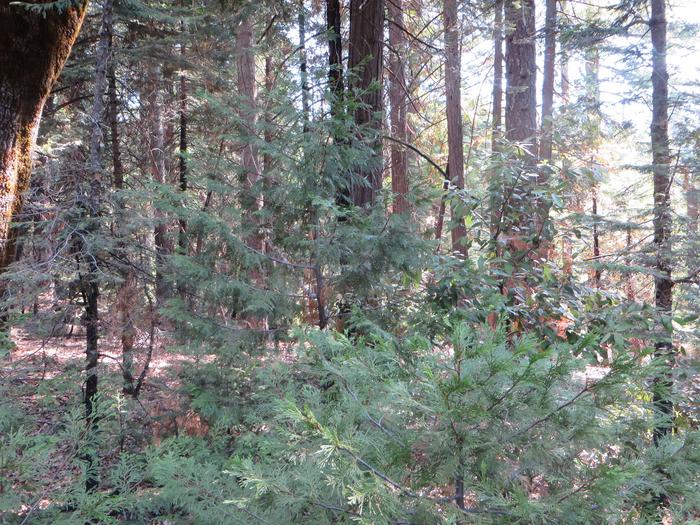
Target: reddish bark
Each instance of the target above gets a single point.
(455, 133)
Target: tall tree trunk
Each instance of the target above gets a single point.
(183, 243)
(592, 98)
(245, 64)
(455, 133)
(597, 274)
(269, 86)
(692, 201)
(564, 61)
(366, 63)
(567, 245)
(663, 222)
(89, 280)
(399, 106)
(34, 48)
(251, 197)
(521, 120)
(550, 37)
(126, 293)
(521, 76)
(301, 19)
(629, 285)
(335, 54)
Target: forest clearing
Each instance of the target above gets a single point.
(380, 262)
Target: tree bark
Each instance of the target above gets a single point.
(366, 63)
(592, 98)
(301, 19)
(34, 47)
(497, 98)
(90, 279)
(597, 274)
(455, 133)
(663, 222)
(125, 299)
(521, 76)
(335, 54)
(564, 61)
(550, 38)
(245, 64)
(399, 106)
(183, 243)
(521, 123)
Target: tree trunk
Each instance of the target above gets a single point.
(455, 133)
(302, 66)
(521, 76)
(663, 222)
(34, 48)
(366, 63)
(564, 61)
(592, 98)
(399, 106)
(521, 121)
(335, 54)
(597, 274)
(629, 285)
(183, 243)
(692, 202)
(126, 292)
(567, 247)
(90, 279)
(269, 86)
(248, 114)
(548, 84)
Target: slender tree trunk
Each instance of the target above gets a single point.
(126, 293)
(34, 48)
(597, 274)
(399, 106)
(251, 196)
(269, 85)
(692, 202)
(302, 66)
(629, 285)
(248, 115)
(550, 36)
(564, 61)
(455, 133)
(547, 125)
(183, 243)
(90, 279)
(335, 54)
(592, 96)
(366, 63)
(567, 247)
(663, 222)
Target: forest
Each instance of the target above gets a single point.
(381, 262)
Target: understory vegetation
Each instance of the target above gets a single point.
(366, 262)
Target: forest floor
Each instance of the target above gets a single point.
(44, 377)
